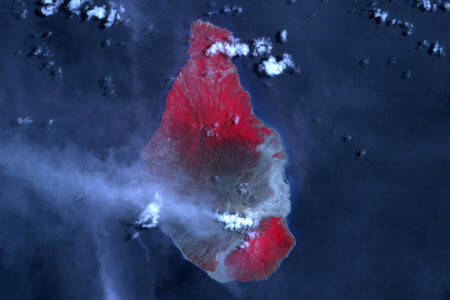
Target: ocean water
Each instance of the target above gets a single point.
(374, 227)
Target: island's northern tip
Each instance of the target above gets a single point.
(204, 34)
(210, 139)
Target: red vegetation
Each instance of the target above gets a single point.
(277, 155)
(208, 122)
(207, 130)
(203, 255)
(262, 254)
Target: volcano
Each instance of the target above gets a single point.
(210, 139)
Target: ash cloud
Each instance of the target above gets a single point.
(69, 175)
(76, 207)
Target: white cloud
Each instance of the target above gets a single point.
(150, 216)
(50, 7)
(97, 12)
(381, 16)
(245, 244)
(234, 222)
(272, 67)
(107, 14)
(431, 5)
(19, 9)
(250, 236)
(425, 4)
(74, 6)
(253, 235)
(226, 10)
(283, 36)
(230, 49)
(433, 48)
(261, 46)
(242, 188)
(107, 85)
(24, 120)
(406, 26)
(41, 51)
(111, 18)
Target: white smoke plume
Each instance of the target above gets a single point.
(66, 174)
(107, 186)
(150, 216)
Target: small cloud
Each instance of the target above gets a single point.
(360, 153)
(364, 62)
(75, 6)
(234, 222)
(227, 10)
(150, 216)
(381, 16)
(431, 5)
(406, 74)
(150, 28)
(230, 49)
(96, 13)
(107, 14)
(42, 52)
(283, 36)
(261, 46)
(392, 61)
(24, 120)
(433, 48)
(106, 43)
(107, 85)
(272, 66)
(19, 10)
(224, 10)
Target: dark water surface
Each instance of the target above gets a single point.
(373, 227)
